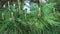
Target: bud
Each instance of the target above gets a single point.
(12, 16)
(19, 3)
(2, 16)
(54, 10)
(25, 16)
(43, 1)
(8, 6)
(39, 14)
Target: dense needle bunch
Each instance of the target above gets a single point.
(43, 19)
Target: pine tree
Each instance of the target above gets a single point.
(43, 19)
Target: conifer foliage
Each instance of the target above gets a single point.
(44, 18)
